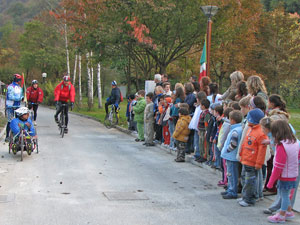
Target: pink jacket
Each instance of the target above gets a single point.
(286, 163)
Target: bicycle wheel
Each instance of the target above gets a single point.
(62, 131)
(22, 144)
(108, 120)
(10, 143)
(115, 118)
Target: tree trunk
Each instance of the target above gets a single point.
(66, 42)
(89, 83)
(79, 80)
(99, 86)
(75, 68)
(92, 76)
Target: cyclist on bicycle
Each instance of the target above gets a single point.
(114, 98)
(64, 92)
(22, 121)
(35, 97)
(14, 96)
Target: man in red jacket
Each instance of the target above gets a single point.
(64, 92)
(34, 96)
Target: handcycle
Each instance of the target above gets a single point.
(113, 117)
(22, 142)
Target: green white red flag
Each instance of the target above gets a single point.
(203, 62)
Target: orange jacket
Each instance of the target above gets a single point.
(253, 152)
(182, 130)
(64, 93)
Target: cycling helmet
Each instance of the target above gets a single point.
(21, 111)
(17, 77)
(67, 78)
(34, 82)
(114, 83)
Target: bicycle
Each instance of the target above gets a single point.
(62, 120)
(113, 117)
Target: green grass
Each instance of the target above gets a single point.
(295, 120)
(99, 114)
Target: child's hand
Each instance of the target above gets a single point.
(28, 125)
(257, 168)
(270, 186)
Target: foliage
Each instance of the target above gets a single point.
(48, 89)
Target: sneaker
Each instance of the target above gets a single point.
(7, 139)
(224, 193)
(145, 143)
(289, 215)
(34, 123)
(228, 196)
(277, 218)
(150, 144)
(268, 211)
(179, 160)
(221, 183)
(244, 204)
(239, 200)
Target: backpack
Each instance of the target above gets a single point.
(121, 97)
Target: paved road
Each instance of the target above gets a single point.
(97, 176)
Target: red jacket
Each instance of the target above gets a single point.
(64, 93)
(35, 95)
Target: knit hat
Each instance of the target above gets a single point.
(255, 115)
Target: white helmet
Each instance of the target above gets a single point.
(21, 111)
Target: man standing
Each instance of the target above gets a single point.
(157, 80)
(114, 98)
(35, 97)
(64, 92)
(14, 96)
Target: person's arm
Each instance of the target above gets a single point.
(57, 92)
(139, 107)
(14, 126)
(233, 141)
(278, 166)
(179, 128)
(41, 95)
(224, 96)
(117, 96)
(72, 94)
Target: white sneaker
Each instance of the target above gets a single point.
(239, 199)
(34, 123)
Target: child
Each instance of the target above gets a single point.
(224, 131)
(157, 127)
(194, 123)
(285, 168)
(25, 122)
(181, 133)
(167, 89)
(139, 109)
(149, 120)
(164, 111)
(229, 154)
(215, 151)
(129, 113)
(202, 128)
(252, 156)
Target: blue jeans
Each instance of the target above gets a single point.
(233, 177)
(260, 184)
(171, 129)
(250, 188)
(196, 144)
(218, 156)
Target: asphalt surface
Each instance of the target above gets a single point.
(99, 176)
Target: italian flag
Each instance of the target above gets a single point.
(203, 62)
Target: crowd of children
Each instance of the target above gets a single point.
(244, 133)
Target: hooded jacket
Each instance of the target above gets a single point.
(14, 95)
(139, 109)
(182, 131)
(253, 152)
(64, 93)
(35, 95)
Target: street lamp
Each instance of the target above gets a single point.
(44, 75)
(209, 11)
